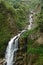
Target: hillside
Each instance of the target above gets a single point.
(34, 40)
(14, 18)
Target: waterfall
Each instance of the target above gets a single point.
(11, 49)
(30, 21)
(13, 45)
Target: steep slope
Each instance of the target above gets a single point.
(31, 42)
(12, 20)
(34, 41)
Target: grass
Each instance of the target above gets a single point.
(37, 50)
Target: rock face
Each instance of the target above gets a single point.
(21, 56)
(2, 61)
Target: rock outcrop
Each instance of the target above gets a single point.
(21, 55)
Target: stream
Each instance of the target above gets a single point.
(13, 44)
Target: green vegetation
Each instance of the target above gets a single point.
(34, 48)
(40, 19)
(12, 20)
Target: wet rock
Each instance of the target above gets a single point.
(21, 54)
(2, 61)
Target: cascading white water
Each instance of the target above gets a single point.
(13, 45)
(11, 49)
(30, 21)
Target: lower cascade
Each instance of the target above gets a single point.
(11, 49)
(13, 45)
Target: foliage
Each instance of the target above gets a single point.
(12, 20)
(34, 49)
(40, 20)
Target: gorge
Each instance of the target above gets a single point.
(21, 32)
(13, 44)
